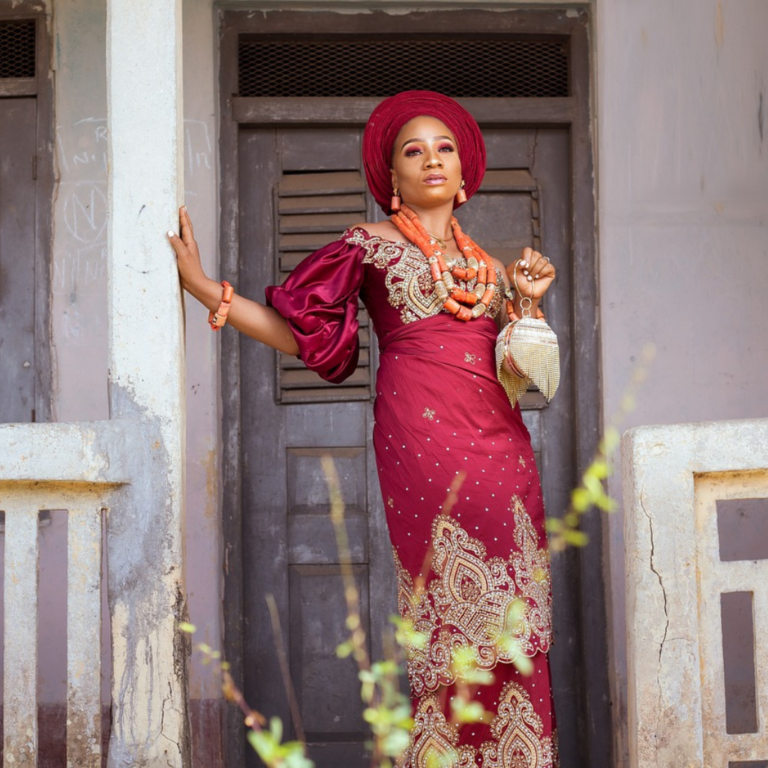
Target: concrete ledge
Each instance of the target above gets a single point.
(668, 555)
(89, 452)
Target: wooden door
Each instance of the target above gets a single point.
(18, 122)
(317, 77)
(299, 188)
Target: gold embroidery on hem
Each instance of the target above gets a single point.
(517, 731)
(434, 741)
(499, 610)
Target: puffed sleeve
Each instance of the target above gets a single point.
(319, 301)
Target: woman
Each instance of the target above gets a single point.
(473, 575)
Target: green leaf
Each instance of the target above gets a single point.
(276, 728)
(343, 650)
(571, 519)
(185, 626)
(553, 524)
(469, 711)
(606, 503)
(577, 538)
(580, 500)
(524, 665)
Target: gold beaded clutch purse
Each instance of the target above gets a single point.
(531, 347)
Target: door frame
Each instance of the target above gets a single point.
(574, 112)
(39, 87)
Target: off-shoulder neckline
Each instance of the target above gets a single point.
(369, 236)
(402, 244)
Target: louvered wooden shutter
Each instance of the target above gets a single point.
(313, 209)
(514, 193)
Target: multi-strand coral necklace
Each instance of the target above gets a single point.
(466, 305)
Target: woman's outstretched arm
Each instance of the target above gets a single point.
(249, 317)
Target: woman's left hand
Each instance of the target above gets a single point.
(535, 274)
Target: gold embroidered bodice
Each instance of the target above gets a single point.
(408, 278)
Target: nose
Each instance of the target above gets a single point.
(433, 159)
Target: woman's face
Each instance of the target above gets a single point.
(425, 163)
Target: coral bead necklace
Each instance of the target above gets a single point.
(466, 305)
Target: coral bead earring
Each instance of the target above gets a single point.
(461, 195)
(395, 203)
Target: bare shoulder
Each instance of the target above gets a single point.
(383, 229)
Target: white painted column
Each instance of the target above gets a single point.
(84, 529)
(146, 574)
(20, 642)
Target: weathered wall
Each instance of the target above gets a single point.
(683, 191)
(688, 653)
(79, 293)
(683, 220)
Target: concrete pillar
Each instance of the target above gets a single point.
(678, 693)
(146, 382)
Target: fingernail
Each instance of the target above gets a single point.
(170, 233)
(185, 208)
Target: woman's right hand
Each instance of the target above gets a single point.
(187, 253)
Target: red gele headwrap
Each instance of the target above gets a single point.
(393, 113)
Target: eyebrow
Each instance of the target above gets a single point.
(424, 140)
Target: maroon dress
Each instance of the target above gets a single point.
(471, 578)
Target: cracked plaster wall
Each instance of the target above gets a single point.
(673, 477)
(682, 156)
(79, 309)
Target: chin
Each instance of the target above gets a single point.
(439, 197)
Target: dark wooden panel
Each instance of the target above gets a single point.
(304, 378)
(311, 229)
(738, 628)
(18, 86)
(327, 425)
(311, 538)
(18, 119)
(331, 222)
(321, 395)
(316, 149)
(542, 24)
(326, 686)
(287, 111)
(511, 213)
(264, 531)
(285, 498)
(307, 488)
(321, 204)
(232, 510)
(337, 183)
(509, 180)
(742, 529)
(338, 754)
(306, 243)
(288, 362)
